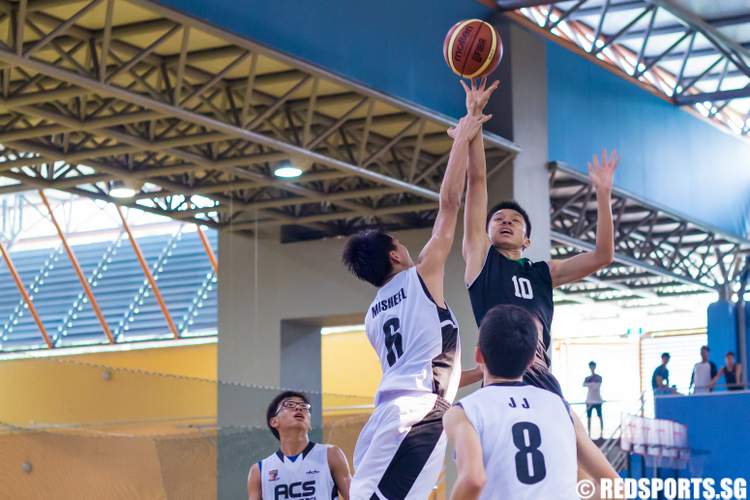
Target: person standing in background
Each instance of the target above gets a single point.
(594, 398)
(732, 374)
(660, 378)
(703, 373)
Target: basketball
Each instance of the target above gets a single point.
(472, 48)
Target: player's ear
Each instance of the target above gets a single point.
(394, 257)
(526, 243)
(274, 422)
(478, 356)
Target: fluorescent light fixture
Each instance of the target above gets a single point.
(287, 170)
(122, 189)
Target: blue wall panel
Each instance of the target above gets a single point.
(392, 46)
(717, 424)
(669, 157)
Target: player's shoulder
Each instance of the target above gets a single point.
(543, 395)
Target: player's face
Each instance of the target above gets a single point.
(292, 413)
(507, 230)
(729, 360)
(400, 254)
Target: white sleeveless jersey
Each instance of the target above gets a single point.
(417, 341)
(306, 477)
(528, 442)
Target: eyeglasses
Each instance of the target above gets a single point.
(294, 405)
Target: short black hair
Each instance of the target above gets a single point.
(665, 355)
(730, 353)
(706, 348)
(273, 407)
(366, 255)
(507, 340)
(510, 205)
(592, 364)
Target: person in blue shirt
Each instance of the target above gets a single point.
(660, 378)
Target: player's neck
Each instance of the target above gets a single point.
(394, 272)
(293, 443)
(491, 379)
(511, 254)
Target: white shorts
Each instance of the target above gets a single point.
(401, 449)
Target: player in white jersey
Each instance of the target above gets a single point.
(513, 441)
(300, 469)
(400, 451)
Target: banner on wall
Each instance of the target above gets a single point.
(664, 441)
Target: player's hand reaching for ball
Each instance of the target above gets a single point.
(477, 97)
(603, 171)
(468, 127)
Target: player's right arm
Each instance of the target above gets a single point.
(475, 241)
(464, 438)
(254, 491)
(432, 258)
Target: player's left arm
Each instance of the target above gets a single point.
(469, 464)
(340, 469)
(432, 258)
(590, 458)
(471, 376)
(565, 271)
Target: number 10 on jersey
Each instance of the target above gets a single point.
(523, 288)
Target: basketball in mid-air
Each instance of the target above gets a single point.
(472, 48)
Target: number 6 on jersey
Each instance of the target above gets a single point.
(393, 343)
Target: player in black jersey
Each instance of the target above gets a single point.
(497, 273)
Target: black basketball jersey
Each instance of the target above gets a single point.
(516, 282)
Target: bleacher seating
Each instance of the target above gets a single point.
(177, 261)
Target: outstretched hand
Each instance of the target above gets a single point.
(477, 97)
(602, 172)
(468, 127)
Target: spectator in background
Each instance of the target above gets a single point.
(660, 378)
(594, 398)
(732, 374)
(703, 372)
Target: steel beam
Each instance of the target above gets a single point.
(721, 95)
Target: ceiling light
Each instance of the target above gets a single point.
(122, 189)
(287, 172)
(289, 169)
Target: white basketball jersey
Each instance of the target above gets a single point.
(304, 477)
(417, 341)
(528, 442)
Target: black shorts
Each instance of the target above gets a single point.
(591, 407)
(539, 375)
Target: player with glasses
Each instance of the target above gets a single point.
(300, 468)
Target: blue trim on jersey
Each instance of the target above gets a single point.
(293, 458)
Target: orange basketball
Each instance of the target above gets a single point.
(472, 48)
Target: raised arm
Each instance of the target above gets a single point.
(469, 464)
(475, 241)
(575, 268)
(253, 484)
(340, 471)
(432, 258)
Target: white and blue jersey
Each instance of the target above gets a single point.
(306, 476)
